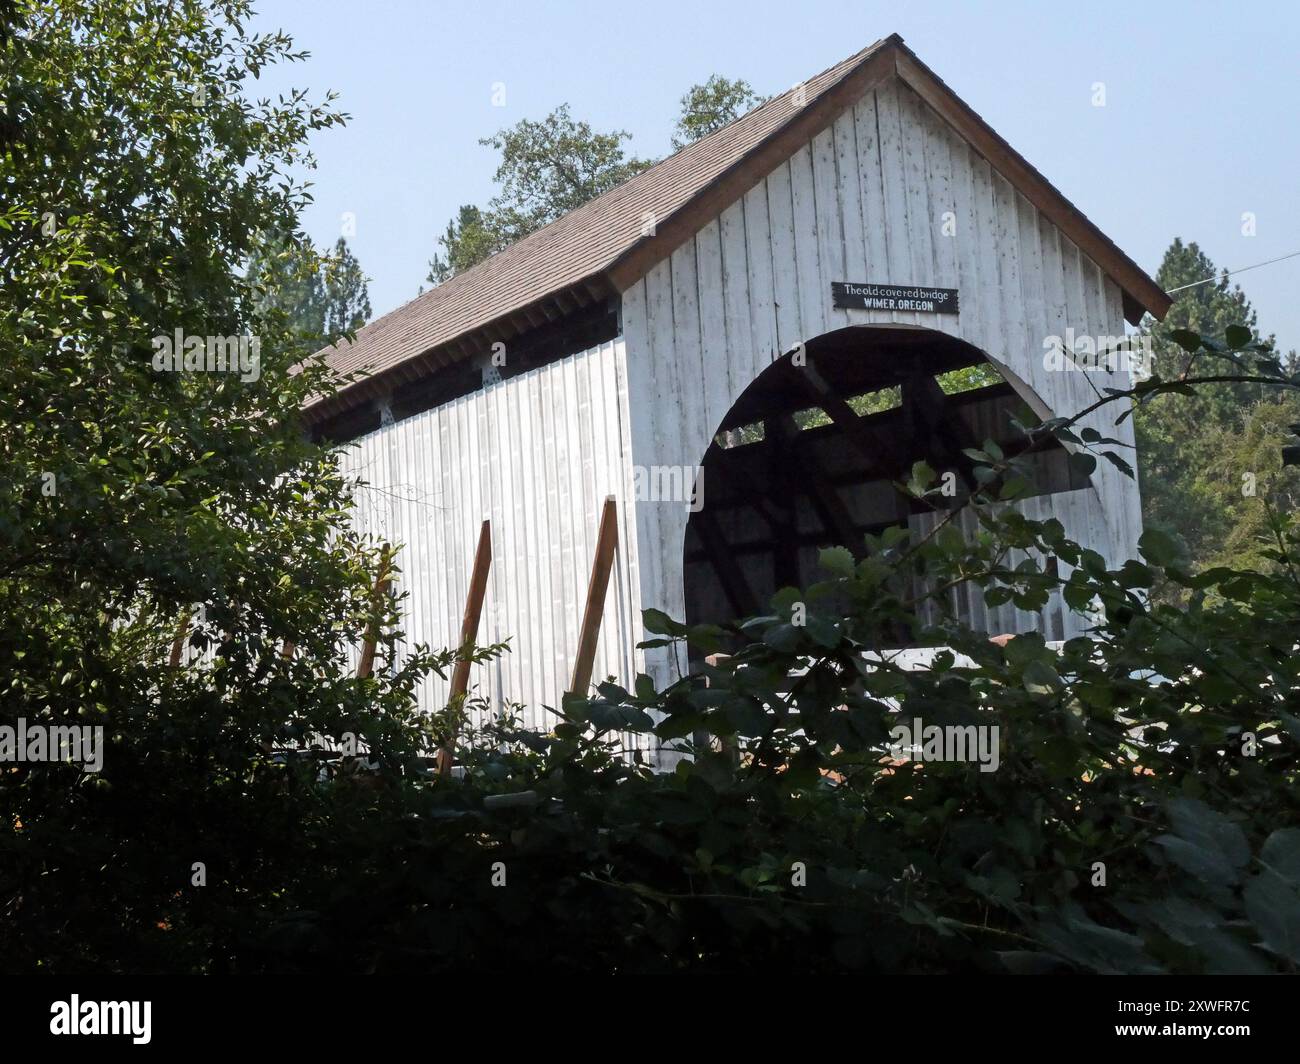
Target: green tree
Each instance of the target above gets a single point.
(346, 295)
(708, 107)
(148, 501)
(546, 169)
(285, 273)
(318, 297)
(550, 167)
(1245, 481)
(1185, 436)
(467, 242)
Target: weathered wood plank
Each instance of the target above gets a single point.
(780, 212)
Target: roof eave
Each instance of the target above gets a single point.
(557, 304)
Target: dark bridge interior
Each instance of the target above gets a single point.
(809, 455)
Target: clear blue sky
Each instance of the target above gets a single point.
(1201, 122)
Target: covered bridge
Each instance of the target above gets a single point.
(742, 347)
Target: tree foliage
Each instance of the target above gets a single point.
(553, 166)
(550, 167)
(139, 169)
(708, 107)
(547, 168)
(1194, 449)
(347, 298)
(319, 298)
(469, 240)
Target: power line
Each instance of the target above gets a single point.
(1232, 273)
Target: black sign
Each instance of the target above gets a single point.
(894, 297)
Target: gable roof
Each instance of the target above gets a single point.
(600, 249)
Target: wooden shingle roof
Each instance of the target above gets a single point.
(605, 246)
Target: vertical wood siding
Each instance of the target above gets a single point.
(537, 454)
(866, 200)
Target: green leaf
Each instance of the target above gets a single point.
(923, 475)
(1204, 863)
(1281, 854)
(607, 717)
(785, 638)
(1159, 548)
(659, 623)
(823, 630)
(1040, 678)
(1206, 841)
(1274, 908)
(706, 638)
(1082, 463)
(786, 599)
(1118, 462)
(1237, 337)
(1197, 822)
(837, 561)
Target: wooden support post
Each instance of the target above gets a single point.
(382, 580)
(178, 644)
(468, 632)
(606, 544)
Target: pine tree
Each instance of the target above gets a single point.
(285, 272)
(467, 242)
(1191, 448)
(345, 297)
(321, 298)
